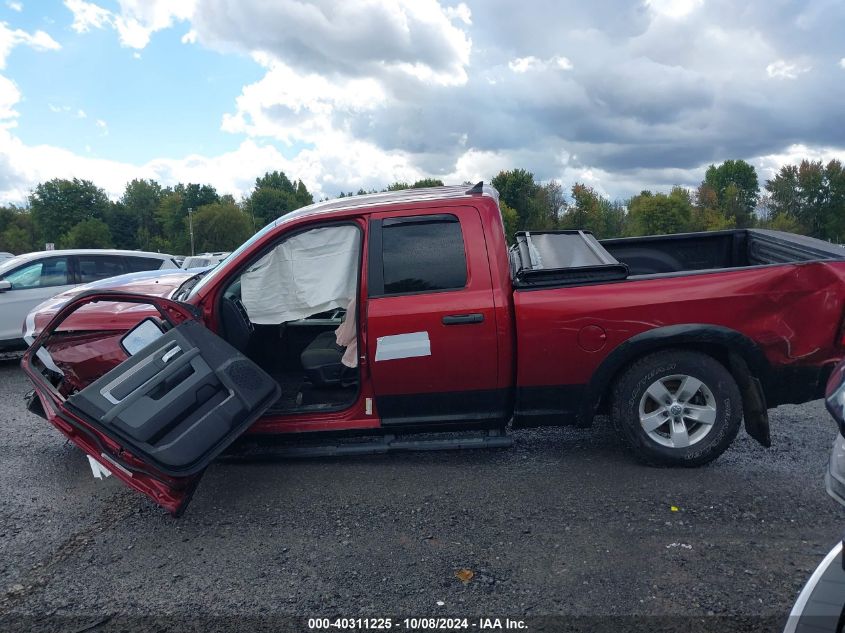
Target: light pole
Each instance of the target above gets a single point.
(191, 227)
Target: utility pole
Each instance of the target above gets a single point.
(191, 225)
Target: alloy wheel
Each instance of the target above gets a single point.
(677, 411)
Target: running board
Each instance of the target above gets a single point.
(384, 444)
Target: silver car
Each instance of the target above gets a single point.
(27, 280)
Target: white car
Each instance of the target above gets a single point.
(203, 259)
(4, 256)
(27, 280)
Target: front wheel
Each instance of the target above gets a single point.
(677, 408)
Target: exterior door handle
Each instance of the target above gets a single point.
(463, 319)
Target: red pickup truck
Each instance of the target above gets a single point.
(389, 315)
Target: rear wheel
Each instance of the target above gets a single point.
(677, 408)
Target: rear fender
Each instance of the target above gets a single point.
(746, 362)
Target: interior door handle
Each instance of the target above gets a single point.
(463, 319)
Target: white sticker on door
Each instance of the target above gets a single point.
(408, 345)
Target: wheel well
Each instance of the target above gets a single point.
(720, 353)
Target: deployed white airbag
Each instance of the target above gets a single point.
(306, 274)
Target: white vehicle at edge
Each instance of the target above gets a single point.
(27, 280)
(203, 260)
(820, 606)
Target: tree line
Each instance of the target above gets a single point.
(807, 198)
(78, 214)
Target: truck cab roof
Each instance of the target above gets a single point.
(403, 196)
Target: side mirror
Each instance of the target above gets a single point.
(140, 336)
(5, 285)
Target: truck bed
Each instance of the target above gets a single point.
(567, 258)
(717, 250)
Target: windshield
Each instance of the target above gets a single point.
(8, 264)
(213, 273)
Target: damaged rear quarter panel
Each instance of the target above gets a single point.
(804, 319)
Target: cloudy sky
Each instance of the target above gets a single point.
(622, 95)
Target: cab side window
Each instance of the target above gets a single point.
(40, 274)
(420, 254)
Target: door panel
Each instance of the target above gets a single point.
(168, 410)
(180, 401)
(434, 353)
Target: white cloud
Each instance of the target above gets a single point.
(842, 63)
(674, 9)
(136, 20)
(39, 40)
(103, 126)
(474, 165)
(390, 40)
(524, 64)
(9, 97)
(79, 113)
(561, 63)
(358, 165)
(531, 63)
(23, 166)
(346, 164)
(291, 106)
(416, 38)
(782, 69)
(770, 164)
(14, 6)
(460, 12)
(87, 15)
(398, 41)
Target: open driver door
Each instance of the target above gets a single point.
(156, 420)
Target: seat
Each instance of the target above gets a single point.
(321, 361)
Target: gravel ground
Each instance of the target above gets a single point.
(564, 524)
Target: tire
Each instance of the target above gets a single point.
(694, 434)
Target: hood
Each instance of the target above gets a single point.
(156, 283)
